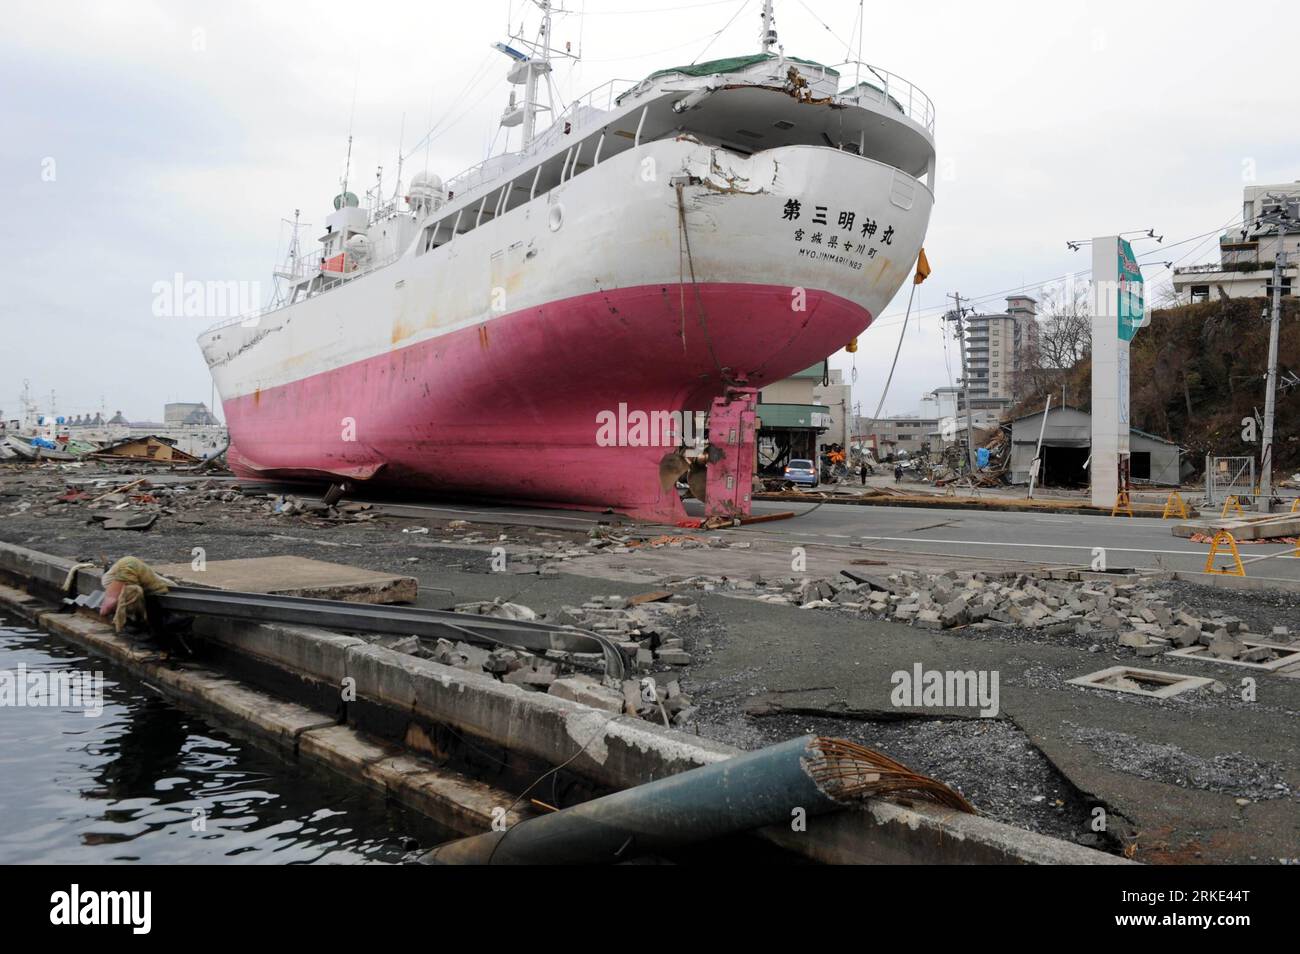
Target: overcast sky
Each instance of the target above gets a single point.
(141, 140)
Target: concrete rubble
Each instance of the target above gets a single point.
(1113, 615)
(642, 629)
(124, 502)
(547, 557)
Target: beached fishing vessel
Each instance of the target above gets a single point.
(667, 245)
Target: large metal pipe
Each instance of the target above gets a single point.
(760, 788)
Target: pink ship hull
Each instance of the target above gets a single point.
(507, 410)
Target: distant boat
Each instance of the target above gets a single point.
(27, 450)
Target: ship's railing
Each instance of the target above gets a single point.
(489, 170)
(254, 317)
(871, 84)
(579, 113)
(604, 97)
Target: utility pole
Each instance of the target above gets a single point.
(1284, 212)
(957, 316)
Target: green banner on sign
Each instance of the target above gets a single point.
(1132, 304)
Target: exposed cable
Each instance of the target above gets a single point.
(547, 774)
(743, 4)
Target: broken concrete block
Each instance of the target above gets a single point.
(409, 645)
(500, 662)
(685, 716)
(1032, 615)
(953, 614)
(530, 678)
(1226, 646)
(141, 521)
(589, 692)
(497, 609)
(1133, 639)
(631, 696)
(928, 619)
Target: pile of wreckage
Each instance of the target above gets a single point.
(1111, 615)
(639, 625)
(993, 464)
(137, 504)
(145, 449)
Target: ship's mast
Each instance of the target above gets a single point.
(528, 68)
(347, 165)
(29, 406)
(769, 32)
(530, 85)
(289, 270)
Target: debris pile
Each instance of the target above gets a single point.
(642, 625)
(639, 624)
(1111, 614)
(545, 557)
(137, 503)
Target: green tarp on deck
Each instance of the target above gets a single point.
(733, 63)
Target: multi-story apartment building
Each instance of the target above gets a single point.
(1246, 255)
(996, 346)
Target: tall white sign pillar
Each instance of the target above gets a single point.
(1118, 311)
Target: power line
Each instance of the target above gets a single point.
(886, 320)
(477, 77)
(688, 6)
(833, 34)
(642, 56)
(744, 3)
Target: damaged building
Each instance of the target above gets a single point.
(1067, 448)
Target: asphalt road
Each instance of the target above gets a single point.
(1052, 539)
(1039, 538)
